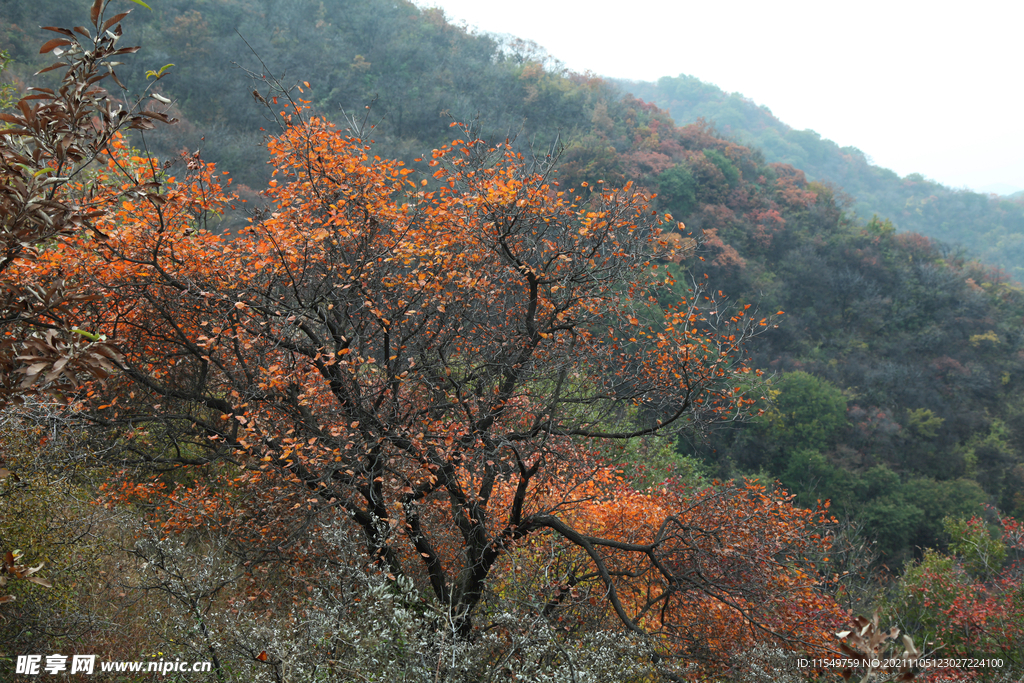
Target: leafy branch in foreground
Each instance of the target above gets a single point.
(49, 138)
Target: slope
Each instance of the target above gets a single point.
(990, 227)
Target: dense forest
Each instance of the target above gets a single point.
(422, 394)
(990, 227)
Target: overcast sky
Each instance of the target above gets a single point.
(921, 87)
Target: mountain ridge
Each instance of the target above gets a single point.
(992, 228)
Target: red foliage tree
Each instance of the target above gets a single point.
(967, 604)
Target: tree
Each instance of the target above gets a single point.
(8, 93)
(809, 412)
(430, 368)
(677, 190)
(968, 602)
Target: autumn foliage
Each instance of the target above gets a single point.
(967, 603)
(434, 365)
(707, 572)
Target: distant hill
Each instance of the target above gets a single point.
(992, 228)
(1001, 189)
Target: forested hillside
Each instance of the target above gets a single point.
(444, 400)
(991, 228)
(414, 71)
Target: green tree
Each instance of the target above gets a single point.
(982, 553)
(8, 92)
(808, 413)
(812, 477)
(728, 169)
(677, 191)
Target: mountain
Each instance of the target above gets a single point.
(991, 228)
(899, 362)
(1002, 189)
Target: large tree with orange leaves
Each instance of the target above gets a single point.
(434, 364)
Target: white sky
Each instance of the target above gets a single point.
(931, 87)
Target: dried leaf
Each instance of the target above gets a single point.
(50, 44)
(114, 19)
